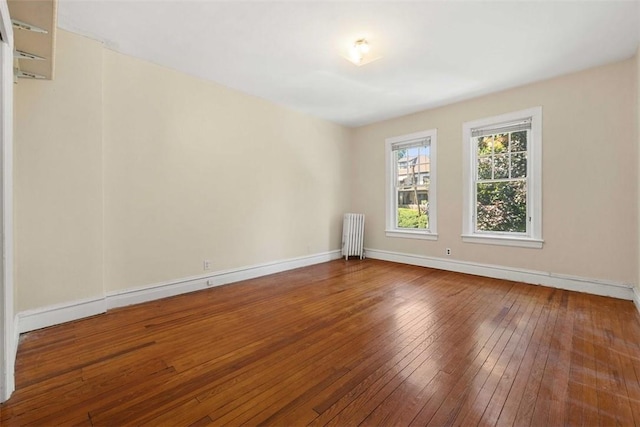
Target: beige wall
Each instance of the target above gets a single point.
(590, 164)
(196, 171)
(58, 179)
(190, 171)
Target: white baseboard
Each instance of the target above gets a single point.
(52, 315)
(571, 283)
(196, 283)
(636, 298)
(60, 313)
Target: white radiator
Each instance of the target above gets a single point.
(353, 235)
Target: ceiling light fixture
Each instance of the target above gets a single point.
(359, 50)
(359, 53)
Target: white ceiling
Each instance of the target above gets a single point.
(434, 52)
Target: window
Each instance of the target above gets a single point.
(411, 185)
(502, 179)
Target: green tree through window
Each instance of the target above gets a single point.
(501, 182)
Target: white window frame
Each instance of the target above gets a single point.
(391, 229)
(533, 236)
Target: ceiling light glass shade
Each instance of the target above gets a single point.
(360, 53)
(362, 46)
(356, 55)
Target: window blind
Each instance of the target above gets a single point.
(422, 142)
(524, 124)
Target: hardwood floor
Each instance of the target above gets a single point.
(340, 344)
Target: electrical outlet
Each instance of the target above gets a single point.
(448, 251)
(206, 265)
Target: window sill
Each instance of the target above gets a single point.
(424, 235)
(523, 242)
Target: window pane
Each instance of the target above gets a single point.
(501, 166)
(413, 152)
(413, 173)
(502, 206)
(484, 145)
(412, 217)
(412, 166)
(500, 143)
(484, 168)
(519, 141)
(519, 165)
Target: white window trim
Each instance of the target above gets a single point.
(533, 237)
(391, 229)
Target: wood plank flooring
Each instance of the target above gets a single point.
(340, 344)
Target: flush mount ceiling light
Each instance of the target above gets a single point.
(359, 50)
(360, 53)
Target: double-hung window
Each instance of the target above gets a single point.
(502, 179)
(411, 185)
